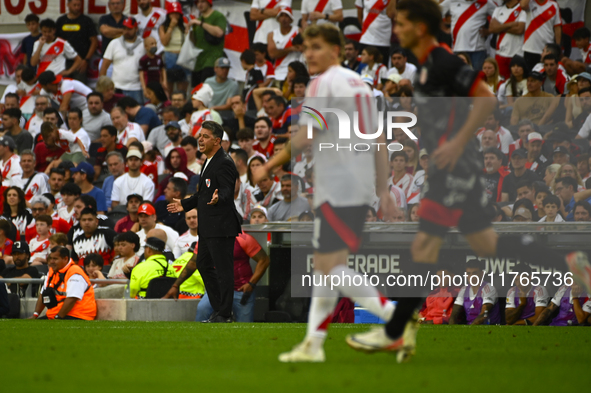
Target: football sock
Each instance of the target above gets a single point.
(530, 251)
(322, 306)
(366, 296)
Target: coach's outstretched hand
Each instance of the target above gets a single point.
(175, 206)
(173, 293)
(214, 198)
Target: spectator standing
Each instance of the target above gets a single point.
(75, 123)
(223, 87)
(151, 66)
(264, 12)
(111, 24)
(50, 53)
(67, 93)
(145, 117)
(116, 165)
(9, 163)
(126, 223)
(79, 30)
(83, 176)
(106, 87)
(94, 118)
(321, 11)
(127, 132)
(376, 25)
(133, 182)
(28, 43)
(93, 240)
(11, 123)
(172, 34)
(208, 34)
(508, 22)
(124, 54)
(40, 243)
(149, 21)
(280, 46)
(543, 25)
(292, 205)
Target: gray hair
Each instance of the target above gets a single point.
(29, 152)
(40, 199)
(526, 122)
(115, 154)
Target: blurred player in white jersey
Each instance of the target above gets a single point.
(344, 184)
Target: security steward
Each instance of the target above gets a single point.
(67, 293)
(155, 265)
(192, 287)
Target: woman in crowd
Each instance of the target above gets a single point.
(374, 68)
(465, 58)
(572, 102)
(295, 69)
(412, 151)
(551, 174)
(172, 35)
(157, 96)
(568, 170)
(255, 161)
(412, 213)
(491, 70)
(15, 209)
(516, 85)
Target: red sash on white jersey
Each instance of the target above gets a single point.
(467, 15)
(587, 56)
(289, 44)
(42, 247)
(28, 95)
(321, 5)
(54, 50)
(197, 126)
(538, 22)
(512, 18)
(7, 167)
(376, 77)
(32, 190)
(150, 25)
(375, 10)
(269, 6)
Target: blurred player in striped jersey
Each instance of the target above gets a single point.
(344, 187)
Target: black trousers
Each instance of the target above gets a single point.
(215, 261)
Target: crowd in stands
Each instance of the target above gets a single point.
(92, 166)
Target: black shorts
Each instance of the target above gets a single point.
(456, 199)
(336, 228)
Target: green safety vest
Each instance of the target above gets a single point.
(144, 272)
(193, 286)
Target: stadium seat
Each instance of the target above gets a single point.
(15, 306)
(42, 269)
(159, 286)
(117, 213)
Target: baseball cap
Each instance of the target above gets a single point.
(222, 62)
(285, 10)
(173, 6)
(134, 153)
(523, 212)
(84, 167)
(226, 137)
(7, 141)
(519, 153)
(146, 208)
(155, 244)
(537, 75)
(204, 94)
(534, 136)
(173, 124)
(394, 78)
(181, 175)
(423, 152)
(259, 208)
(560, 149)
(21, 247)
(130, 22)
(137, 196)
(584, 75)
(49, 78)
(558, 136)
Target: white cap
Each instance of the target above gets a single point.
(181, 175)
(226, 137)
(205, 94)
(396, 78)
(534, 136)
(259, 208)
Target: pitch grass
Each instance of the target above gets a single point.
(140, 357)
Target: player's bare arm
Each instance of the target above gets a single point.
(546, 314)
(453, 319)
(480, 318)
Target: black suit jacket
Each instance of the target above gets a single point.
(221, 219)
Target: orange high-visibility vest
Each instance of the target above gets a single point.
(83, 309)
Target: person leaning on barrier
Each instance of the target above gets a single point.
(67, 292)
(154, 266)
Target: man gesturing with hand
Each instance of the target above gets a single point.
(219, 224)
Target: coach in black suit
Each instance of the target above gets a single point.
(219, 224)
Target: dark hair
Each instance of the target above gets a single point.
(522, 267)
(179, 185)
(422, 11)
(399, 153)
(298, 39)
(28, 74)
(15, 113)
(88, 210)
(555, 49)
(129, 237)
(139, 145)
(373, 51)
(249, 172)
(526, 203)
(268, 92)
(373, 211)
(76, 111)
(127, 102)
(45, 218)
(13, 95)
(49, 23)
(245, 133)
(63, 251)
(180, 25)
(47, 128)
(49, 196)
(524, 183)
(22, 203)
(187, 109)
(95, 94)
(475, 264)
(171, 109)
(265, 119)
(300, 80)
(110, 129)
(176, 92)
(551, 199)
(518, 61)
(189, 140)
(71, 189)
(585, 90)
(259, 47)
(352, 42)
(215, 128)
(6, 228)
(279, 100)
(158, 90)
(568, 181)
(94, 258)
(579, 34)
(241, 155)
(248, 57)
(280, 141)
(31, 18)
(398, 51)
(495, 151)
(88, 201)
(584, 204)
(543, 189)
(550, 56)
(59, 171)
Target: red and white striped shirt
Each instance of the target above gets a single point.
(539, 29)
(509, 45)
(376, 29)
(467, 18)
(266, 26)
